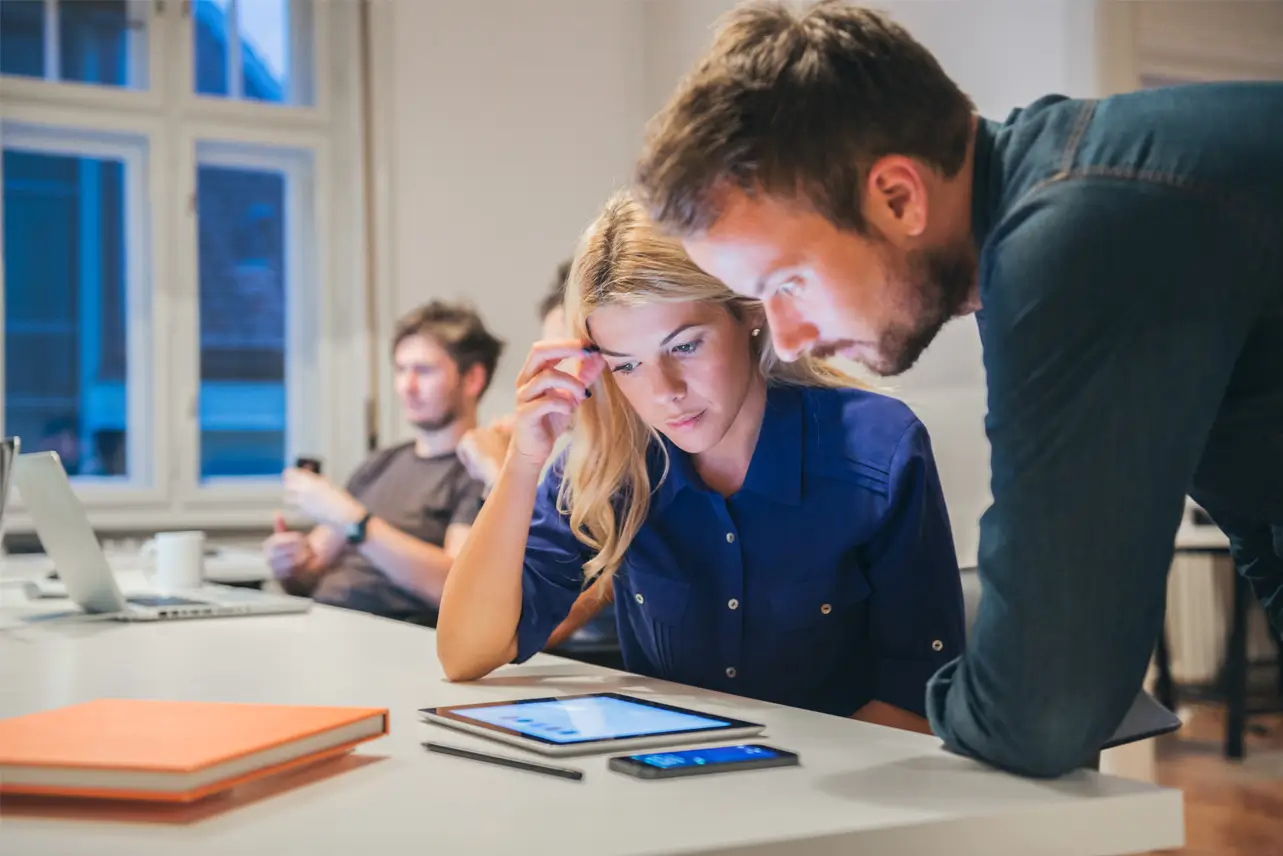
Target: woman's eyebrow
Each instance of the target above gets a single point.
(670, 337)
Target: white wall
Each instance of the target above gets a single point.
(506, 124)
(492, 176)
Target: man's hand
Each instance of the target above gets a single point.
(482, 450)
(286, 552)
(318, 499)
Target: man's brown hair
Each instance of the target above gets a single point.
(460, 332)
(799, 104)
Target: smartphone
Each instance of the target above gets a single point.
(313, 464)
(697, 762)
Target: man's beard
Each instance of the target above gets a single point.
(447, 418)
(938, 282)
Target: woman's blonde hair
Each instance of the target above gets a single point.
(623, 258)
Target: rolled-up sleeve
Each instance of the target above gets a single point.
(916, 610)
(553, 576)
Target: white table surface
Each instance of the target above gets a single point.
(860, 788)
(227, 565)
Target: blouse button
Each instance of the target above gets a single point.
(937, 645)
(826, 609)
(638, 597)
(730, 672)
(730, 537)
(733, 603)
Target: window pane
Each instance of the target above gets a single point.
(242, 320)
(22, 37)
(268, 57)
(66, 385)
(99, 41)
(265, 47)
(210, 44)
(103, 41)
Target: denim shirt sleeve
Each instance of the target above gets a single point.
(552, 578)
(916, 607)
(1100, 405)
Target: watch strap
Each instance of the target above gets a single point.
(356, 532)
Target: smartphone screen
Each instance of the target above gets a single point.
(712, 759)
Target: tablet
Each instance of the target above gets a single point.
(583, 724)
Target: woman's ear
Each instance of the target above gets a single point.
(756, 318)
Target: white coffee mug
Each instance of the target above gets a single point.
(176, 560)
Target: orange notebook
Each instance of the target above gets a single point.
(175, 751)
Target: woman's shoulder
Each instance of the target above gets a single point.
(860, 430)
(850, 409)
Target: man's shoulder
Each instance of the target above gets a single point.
(384, 454)
(377, 461)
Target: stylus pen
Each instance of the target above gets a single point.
(459, 752)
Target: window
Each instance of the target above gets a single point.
(175, 248)
(71, 239)
(75, 41)
(253, 49)
(253, 226)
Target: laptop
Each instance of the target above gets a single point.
(9, 448)
(69, 540)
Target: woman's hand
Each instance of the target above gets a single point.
(548, 396)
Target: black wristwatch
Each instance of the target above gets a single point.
(356, 531)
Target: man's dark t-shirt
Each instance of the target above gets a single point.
(420, 496)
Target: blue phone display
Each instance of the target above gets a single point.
(698, 762)
(702, 757)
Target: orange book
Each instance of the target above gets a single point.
(175, 751)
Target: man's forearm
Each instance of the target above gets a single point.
(414, 565)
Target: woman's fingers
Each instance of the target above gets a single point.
(546, 354)
(549, 380)
(546, 406)
(591, 368)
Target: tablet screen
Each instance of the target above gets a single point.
(580, 719)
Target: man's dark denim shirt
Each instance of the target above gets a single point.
(1131, 275)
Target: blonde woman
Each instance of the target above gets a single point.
(767, 529)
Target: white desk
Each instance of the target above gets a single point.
(226, 566)
(861, 788)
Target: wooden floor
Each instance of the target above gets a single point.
(1231, 809)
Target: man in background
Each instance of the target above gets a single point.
(1124, 257)
(385, 543)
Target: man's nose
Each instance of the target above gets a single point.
(791, 335)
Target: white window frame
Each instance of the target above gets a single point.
(328, 360)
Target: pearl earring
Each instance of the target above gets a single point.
(756, 331)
